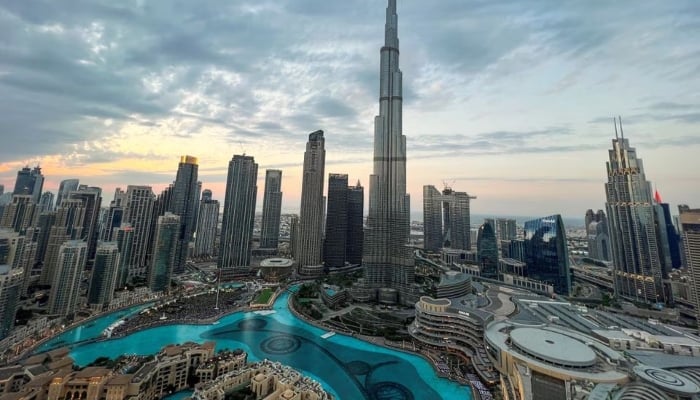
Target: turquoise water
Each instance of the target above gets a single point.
(88, 330)
(179, 395)
(349, 368)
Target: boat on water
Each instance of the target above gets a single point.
(327, 335)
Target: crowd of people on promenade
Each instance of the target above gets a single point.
(197, 308)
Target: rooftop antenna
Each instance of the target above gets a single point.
(240, 143)
(615, 123)
(622, 134)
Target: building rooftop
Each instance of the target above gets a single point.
(276, 262)
(668, 380)
(453, 277)
(553, 347)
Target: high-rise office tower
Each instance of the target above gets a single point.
(356, 233)
(104, 274)
(164, 249)
(238, 218)
(65, 290)
(207, 223)
(124, 236)
(24, 184)
(184, 203)
(689, 220)
(506, 229)
(672, 242)
(10, 290)
(598, 237)
(387, 259)
(206, 195)
(311, 214)
(293, 235)
(487, 250)
(138, 213)
(115, 214)
(68, 225)
(546, 253)
(2, 190)
(272, 207)
(66, 186)
(30, 181)
(457, 226)
(335, 243)
(590, 217)
(92, 201)
(446, 219)
(46, 202)
(432, 219)
(11, 244)
(638, 270)
(20, 214)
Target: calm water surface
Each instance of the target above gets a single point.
(349, 368)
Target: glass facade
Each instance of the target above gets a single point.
(546, 255)
(487, 250)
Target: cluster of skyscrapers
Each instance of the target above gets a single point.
(77, 246)
(143, 238)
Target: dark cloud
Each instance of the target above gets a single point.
(261, 70)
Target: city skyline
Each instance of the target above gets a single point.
(497, 94)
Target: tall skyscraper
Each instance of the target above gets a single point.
(671, 245)
(506, 229)
(124, 236)
(546, 253)
(20, 214)
(46, 202)
(104, 274)
(598, 238)
(65, 290)
(10, 291)
(432, 219)
(311, 214)
(638, 270)
(92, 201)
(164, 249)
(446, 219)
(68, 226)
(140, 203)
(66, 186)
(115, 214)
(487, 250)
(207, 223)
(689, 220)
(30, 181)
(335, 243)
(272, 207)
(184, 203)
(356, 221)
(387, 259)
(238, 218)
(2, 190)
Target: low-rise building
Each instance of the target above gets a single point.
(267, 379)
(333, 296)
(447, 324)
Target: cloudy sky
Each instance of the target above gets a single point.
(511, 101)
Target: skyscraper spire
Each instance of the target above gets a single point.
(615, 123)
(391, 38)
(388, 261)
(622, 134)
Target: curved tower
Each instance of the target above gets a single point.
(387, 259)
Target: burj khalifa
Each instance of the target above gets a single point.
(388, 261)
